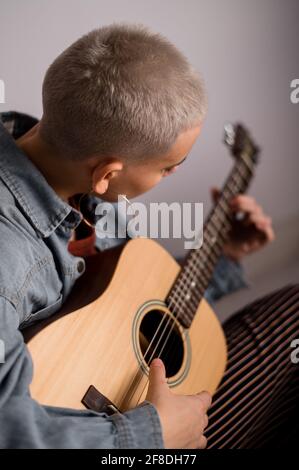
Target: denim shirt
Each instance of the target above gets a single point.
(228, 275)
(37, 273)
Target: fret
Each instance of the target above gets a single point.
(243, 169)
(219, 233)
(241, 172)
(183, 287)
(201, 264)
(239, 177)
(223, 204)
(180, 302)
(208, 266)
(247, 161)
(211, 243)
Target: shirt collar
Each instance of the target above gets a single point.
(37, 199)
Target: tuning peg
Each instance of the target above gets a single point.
(229, 134)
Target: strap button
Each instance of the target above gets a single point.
(81, 266)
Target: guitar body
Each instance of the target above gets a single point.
(100, 343)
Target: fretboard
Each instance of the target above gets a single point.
(198, 267)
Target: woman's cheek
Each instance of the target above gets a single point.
(146, 186)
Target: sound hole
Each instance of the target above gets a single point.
(160, 337)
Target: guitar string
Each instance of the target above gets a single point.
(164, 345)
(202, 262)
(170, 350)
(166, 331)
(169, 320)
(226, 187)
(162, 349)
(223, 222)
(198, 263)
(196, 273)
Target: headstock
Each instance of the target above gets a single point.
(239, 140)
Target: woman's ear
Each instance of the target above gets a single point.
(103, 173)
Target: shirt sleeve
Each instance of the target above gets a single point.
(228, 277)
(24, 423)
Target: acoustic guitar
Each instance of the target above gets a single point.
(135, 303)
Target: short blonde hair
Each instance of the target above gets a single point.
(120, 90)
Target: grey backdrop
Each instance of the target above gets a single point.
(247, 51)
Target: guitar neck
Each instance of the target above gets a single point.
(199, 264)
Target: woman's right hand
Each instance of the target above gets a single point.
(183, 417)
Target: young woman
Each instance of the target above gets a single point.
(122, 108)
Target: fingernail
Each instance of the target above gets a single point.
(156, 362)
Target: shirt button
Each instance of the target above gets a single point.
(80, 266)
